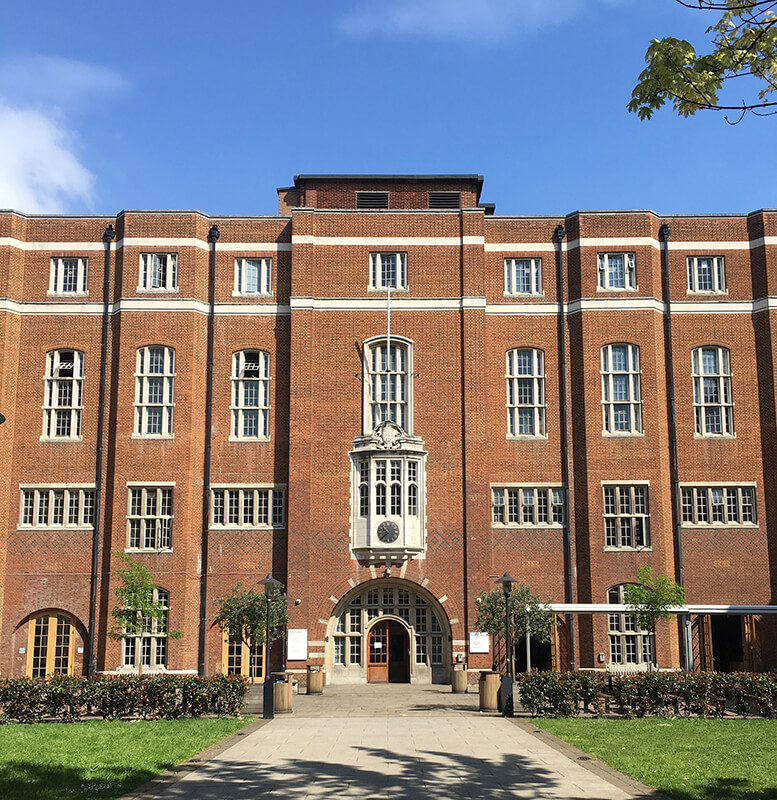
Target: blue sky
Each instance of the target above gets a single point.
(212, 106)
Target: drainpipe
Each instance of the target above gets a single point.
(108, 236)
(558, 236)
(685, 619)
(213, 236)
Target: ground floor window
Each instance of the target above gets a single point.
(239, 658)
(629, 644)
(50, 646)
(148, 647)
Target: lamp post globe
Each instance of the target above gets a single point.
(508, 710)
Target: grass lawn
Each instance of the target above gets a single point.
(690, 759)
(98, 759)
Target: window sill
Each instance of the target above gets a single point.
(711, 293)
(527, 437)
(273, 527)
(266, 295)
(511, 295)
(611, 289)
(65, 439)
(640, 549)
(248, 439)
(532, 526)
(382, 289)
(697, 525)
(153, 436)
(23, 527)
(143, 550)
(67, 294)
(706, 437)
(623, 434)
(141, 290)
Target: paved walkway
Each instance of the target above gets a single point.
(398, 742)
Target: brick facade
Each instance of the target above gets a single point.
(458, 324)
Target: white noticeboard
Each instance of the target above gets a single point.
(297, 644)
(479, 642)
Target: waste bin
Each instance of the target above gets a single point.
(282, 693)
(489, 687)
(459, 682)
(315, 679)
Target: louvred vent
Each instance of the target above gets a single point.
(372, 199)
(444, 200)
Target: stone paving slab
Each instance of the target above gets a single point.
(404, 743)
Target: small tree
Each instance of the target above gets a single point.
(243, 614)
(528, 613)
(649, 600)
(136, 609)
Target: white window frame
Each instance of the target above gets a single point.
(59, 410)
(527, 506)
(157, 524)
(56, 506)
(718, 505)
(605, 282)
(57, 276)
(158, 272)
(377, 278)
(381, 383)
(246, 409)
(247, 506)
(627, 524)
(163, 405)
(719, 383)
(631, 405)
(263, 268)
(518, 383)
(628, 644)
(153, 640)
(534, 266)
(717, 267)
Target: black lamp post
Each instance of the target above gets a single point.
(268, 699)
(285, 599)
(507, 680)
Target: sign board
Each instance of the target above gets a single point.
(479, 642)
(297, 644)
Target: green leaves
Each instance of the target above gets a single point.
(744, 45)
(650, 598)
(527, 612)
(244, 613)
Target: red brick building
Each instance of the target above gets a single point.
(385, 466)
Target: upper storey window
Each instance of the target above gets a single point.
(372, 199)
(251, 395)
(525, 393)
(388, 269)
(621, 392)
(707, 275)
(253, 276)
(523, 276)
(387, 384)
(69, 276)
(616, 271)
(63, 400)
(159, 272)
(154, 392)
(712, 402)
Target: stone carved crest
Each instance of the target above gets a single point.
(387, 436)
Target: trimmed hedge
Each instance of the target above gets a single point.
(68, 698)
(689, 694)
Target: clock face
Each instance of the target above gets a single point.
(388, 531)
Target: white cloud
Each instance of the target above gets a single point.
(39, 172)
(479, 20)
(53, 81)
(40, 97)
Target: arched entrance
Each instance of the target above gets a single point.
(388, 656)
(388, 630)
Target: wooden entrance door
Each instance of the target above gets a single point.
(388, 658)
